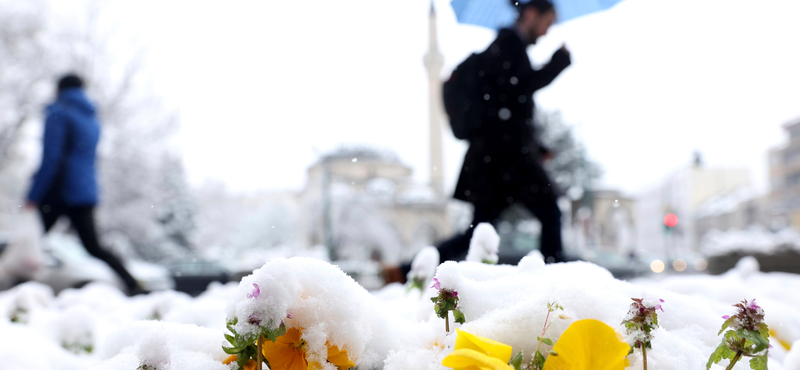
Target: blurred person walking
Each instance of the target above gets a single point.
(503, 164)
(66, 182)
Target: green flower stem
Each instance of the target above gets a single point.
(447, 321)
(260, 360)
(644, 356)
(544, 330)
(735, 359)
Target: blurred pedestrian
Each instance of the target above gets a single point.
(66, 182)
(503, 164)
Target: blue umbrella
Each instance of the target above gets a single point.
(495, 14)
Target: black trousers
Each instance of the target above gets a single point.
(543, 206)
(82, 220)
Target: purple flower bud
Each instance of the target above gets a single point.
(455, 294)
(289, 316)
(726, 317)
(255, 293)
(253, 320)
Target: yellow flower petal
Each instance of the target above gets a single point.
(230, 359)
(339, 358)
(249, 365)
(286, 353)
(784, 344)
(483, 345)
(588, 345)
(469, 359)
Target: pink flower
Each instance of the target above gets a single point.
(436, 285)
(255, 293)
(726, 317)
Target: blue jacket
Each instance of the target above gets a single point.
(71, 132)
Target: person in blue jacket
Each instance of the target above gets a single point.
(66, 182)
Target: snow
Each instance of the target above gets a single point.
(754, 239)
(424, 264)
(484, 244)
(390, 328)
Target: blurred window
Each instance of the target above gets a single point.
(793, 179)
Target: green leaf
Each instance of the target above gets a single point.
(230, 339)
(230, 351)
(763, 329)
(273, 334)
(721, 352)
(538, 361)
(547, 341)
(458, 316)
(727, 323)
(516, 361)
(434, 299)
(759, 362)
(241, 361)
(760, 342)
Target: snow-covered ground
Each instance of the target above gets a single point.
(754, 239)
(97, 327)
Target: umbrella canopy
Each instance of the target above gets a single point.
(496, 14)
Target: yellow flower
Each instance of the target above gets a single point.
(588, 345)
(288, 353)
(783, 343)
(250, 365)
(474, 352)
(339, 358)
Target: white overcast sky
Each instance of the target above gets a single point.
(263, 86)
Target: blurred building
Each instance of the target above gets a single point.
(683, 193)
(365, 203)
(604, 221)
(784, 176)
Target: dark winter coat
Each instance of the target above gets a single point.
(71, 132)
(505, 158)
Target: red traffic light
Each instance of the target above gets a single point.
(670, 220)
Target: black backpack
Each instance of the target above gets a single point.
(462, 98)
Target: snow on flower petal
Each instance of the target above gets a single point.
(286, 353)
(588, 345)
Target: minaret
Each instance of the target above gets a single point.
(433, 63)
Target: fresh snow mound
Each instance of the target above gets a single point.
(423, 267)
(392, 328)
(484, 244)
(329, 308)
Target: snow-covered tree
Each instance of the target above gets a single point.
(570, 167)
(37, 46)
(23, 77)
